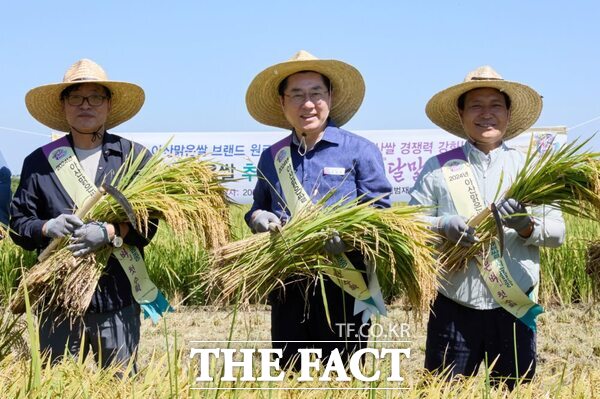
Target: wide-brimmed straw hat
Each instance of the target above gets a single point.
(45, 105)
(525, 108)
(262, 97)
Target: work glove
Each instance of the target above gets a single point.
(456, 230)
(264, 221)
(514, 215)
(334, 245)
(88, 238)
(62, 225)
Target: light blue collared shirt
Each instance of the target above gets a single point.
(494, 173)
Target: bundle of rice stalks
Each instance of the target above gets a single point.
(185, 193)
(592, 267)
(567, 178)
(393, 240)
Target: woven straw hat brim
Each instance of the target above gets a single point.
(262, 97)
(44, 103)
(525, 109)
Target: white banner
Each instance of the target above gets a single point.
(404, 151)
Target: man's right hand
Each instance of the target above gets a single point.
(456, 230)
(262, 221)
(61, 226)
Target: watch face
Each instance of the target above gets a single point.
(117, 242)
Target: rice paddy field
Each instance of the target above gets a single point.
(568, 338)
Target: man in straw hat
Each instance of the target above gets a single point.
(61, 176)
(5, 195)
(475, 315)
(313, 98)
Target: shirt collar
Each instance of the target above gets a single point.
(474, 153)
(109, 142)
(332, 134)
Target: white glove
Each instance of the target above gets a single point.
(264, 221)
(456, 230)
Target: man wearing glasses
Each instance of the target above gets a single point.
(312, 98)
(57, 178)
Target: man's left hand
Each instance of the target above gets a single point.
(334, 245)
(88, 238)
(514, 214)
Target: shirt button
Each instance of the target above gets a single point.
(100, 167)
(106, 152)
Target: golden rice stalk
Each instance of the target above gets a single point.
(592, 267)
(185, 193)
(62, 281)
(568, 178)
(394, 240)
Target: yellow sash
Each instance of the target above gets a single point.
(344, 274)
(467, 200)
(80, 187)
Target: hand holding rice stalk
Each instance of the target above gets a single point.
(185, 193)
(567, 178)
(393, 240)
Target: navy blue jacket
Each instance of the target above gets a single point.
(40, 197)
(4, 195)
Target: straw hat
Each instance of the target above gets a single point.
(262, 97)
(525, 108)
(45, 105)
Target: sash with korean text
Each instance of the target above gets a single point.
(468, 202)
(368, 299)
(80, 187)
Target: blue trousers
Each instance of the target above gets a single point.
(460, 338)
(113, 337)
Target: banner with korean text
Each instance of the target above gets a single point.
(404, 151)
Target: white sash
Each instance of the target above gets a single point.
(80, 187)
(467, 200)
(367, 299)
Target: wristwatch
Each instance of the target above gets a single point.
(117, 240)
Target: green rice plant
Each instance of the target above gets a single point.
(568, 178)
(393, 240)
(176, 267)
(13, 260)
(563, 273)
(11, 334)
(184, 193)
(239, 228)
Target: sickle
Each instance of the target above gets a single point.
(123, 202)
(499, 228)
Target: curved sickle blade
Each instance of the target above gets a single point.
(123, 202)
(499, 228)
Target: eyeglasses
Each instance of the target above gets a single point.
(315, 97)
(95, 100)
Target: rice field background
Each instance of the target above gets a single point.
(568, 339)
